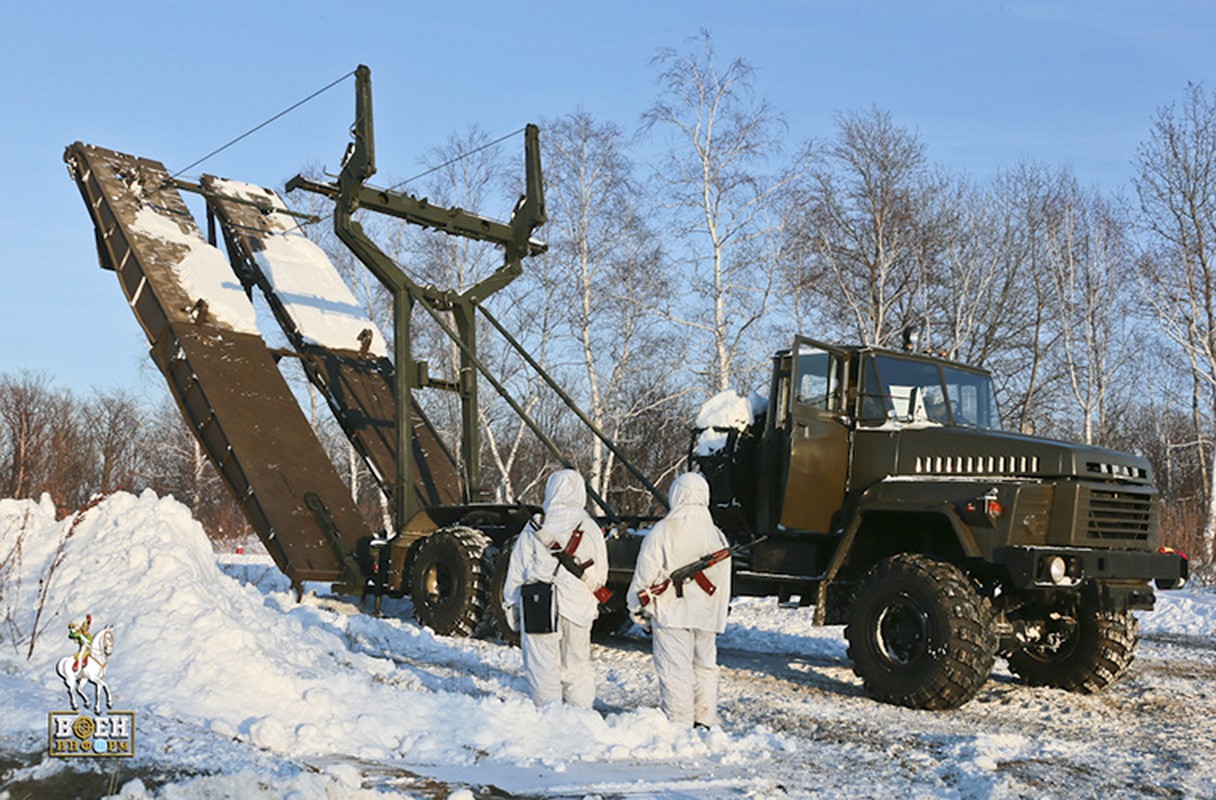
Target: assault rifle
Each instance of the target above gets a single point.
(695, 571)
(565, 557)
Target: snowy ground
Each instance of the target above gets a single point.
(241, 690)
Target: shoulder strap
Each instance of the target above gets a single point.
(575, 540)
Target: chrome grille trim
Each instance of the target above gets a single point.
(976, 465)
(1122, 471)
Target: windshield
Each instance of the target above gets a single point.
(906, 390)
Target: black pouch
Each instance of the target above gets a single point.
(539, 606)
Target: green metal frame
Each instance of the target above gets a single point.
(351, 193)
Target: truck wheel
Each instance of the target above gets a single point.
(920, 635)
(1094, 651)
(448, 581)
(499, 559)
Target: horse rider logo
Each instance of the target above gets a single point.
(83, 638)
(89, 663)
(73, 733)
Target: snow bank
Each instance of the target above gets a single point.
(1190, 612)
(726, 409)
(231, 677)
(305, 280)
(247, 663)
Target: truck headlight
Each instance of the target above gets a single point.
(1057, 570)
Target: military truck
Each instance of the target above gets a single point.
(890, 497)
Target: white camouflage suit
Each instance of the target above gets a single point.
(558, 664)
(685, 629)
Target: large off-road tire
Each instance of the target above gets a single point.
(920, 635)
(449, 582)
(499, 559)
(1095, 649)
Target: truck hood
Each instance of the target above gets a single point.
(946, 451)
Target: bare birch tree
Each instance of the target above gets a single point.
(113, 420)
(866, 225)
(176, 463)
(25, 425)
(1177, 192)
(1088, 257)
(1008, 325)
(472, 171)
(608, 281)
(722, 138)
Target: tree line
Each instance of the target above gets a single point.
(73, 446)
(684, 253)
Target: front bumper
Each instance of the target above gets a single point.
(1028, 567)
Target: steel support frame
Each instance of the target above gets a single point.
(351, 194)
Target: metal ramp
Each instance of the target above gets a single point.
(343, 352)
(224, 378)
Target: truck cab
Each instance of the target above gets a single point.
(877, 482)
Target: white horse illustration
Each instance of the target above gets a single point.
(94, 672)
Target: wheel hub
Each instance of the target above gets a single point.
(437, 581)
(901, 632)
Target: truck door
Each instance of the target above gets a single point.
(818, 457)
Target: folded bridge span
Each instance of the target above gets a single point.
(192, 304)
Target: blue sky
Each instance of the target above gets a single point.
(985, 84)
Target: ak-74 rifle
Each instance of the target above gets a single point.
(694, 571)
(565, 557)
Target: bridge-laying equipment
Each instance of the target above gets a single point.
(875, 484)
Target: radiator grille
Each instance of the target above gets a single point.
(1116, 515)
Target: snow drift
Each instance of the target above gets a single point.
(248, 662)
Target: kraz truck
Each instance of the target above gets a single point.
(880, 486)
